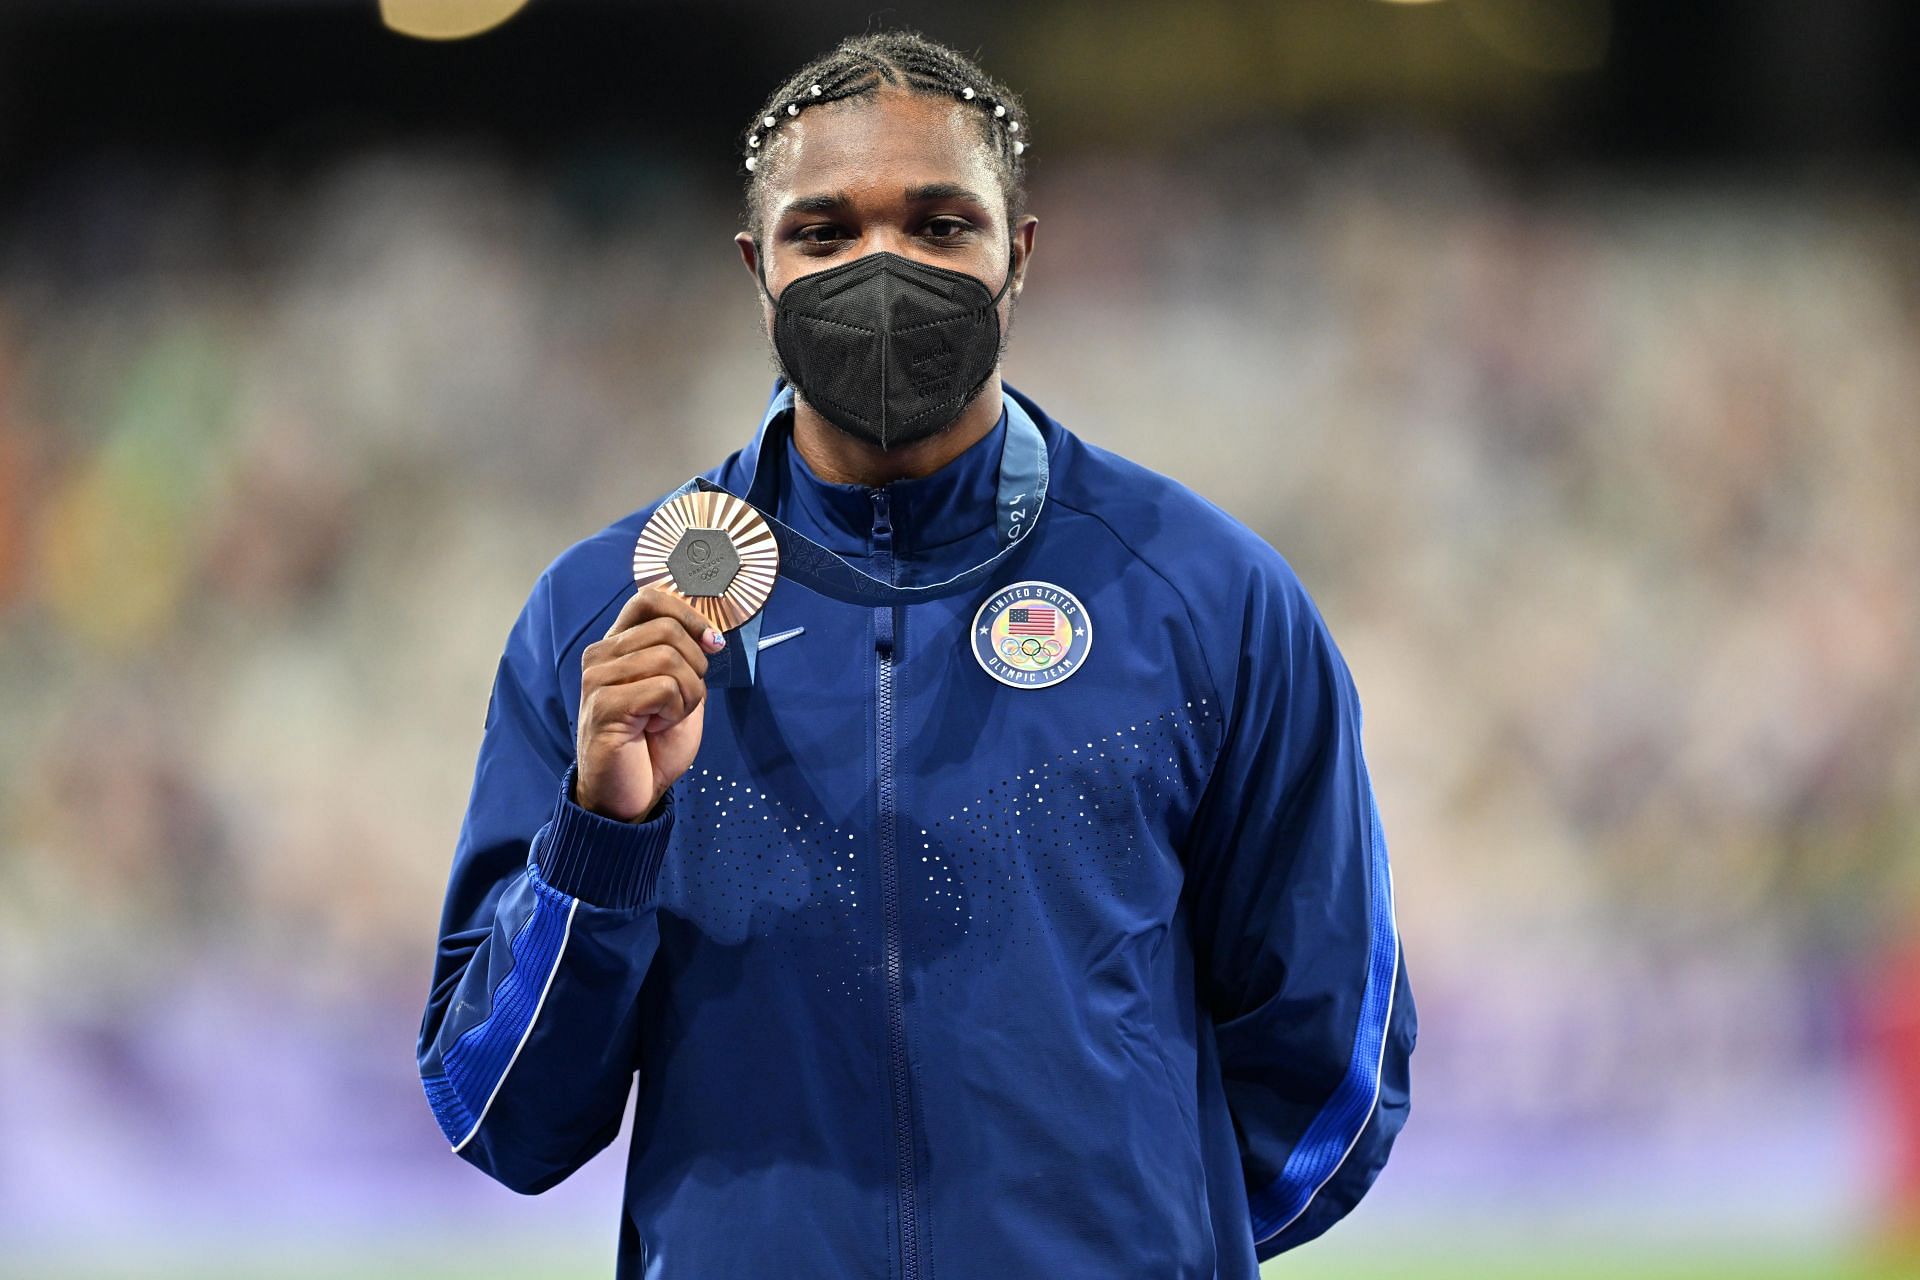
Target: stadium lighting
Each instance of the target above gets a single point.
(446, 19)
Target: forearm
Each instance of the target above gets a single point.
(527, 1045)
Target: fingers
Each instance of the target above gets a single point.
(664, 698)
(652, 633)
(650, 663)
(656, 602)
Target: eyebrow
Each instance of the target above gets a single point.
(825, 203)
(835, 201)
(943, 191)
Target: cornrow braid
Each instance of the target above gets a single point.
(857, 67)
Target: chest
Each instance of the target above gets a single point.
(881, 764)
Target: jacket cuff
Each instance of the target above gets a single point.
(602, 861)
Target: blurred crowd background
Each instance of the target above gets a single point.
(1569, 351)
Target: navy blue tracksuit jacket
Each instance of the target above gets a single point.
(925, 974)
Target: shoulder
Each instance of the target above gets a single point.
(1210, 556)
(1255, 619)
(1273, 662)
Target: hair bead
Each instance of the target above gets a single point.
(860, 65)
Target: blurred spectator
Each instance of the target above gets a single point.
(1609, 491)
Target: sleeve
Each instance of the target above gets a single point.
(1298, 959)
(528, 1044)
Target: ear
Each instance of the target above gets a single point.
(749, 251)
(750, 258)
(1023, 233)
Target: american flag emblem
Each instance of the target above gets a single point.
(1032, 620)
(1026, 644)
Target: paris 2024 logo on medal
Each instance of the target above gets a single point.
(1031, 634)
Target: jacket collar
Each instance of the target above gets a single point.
(927, 511)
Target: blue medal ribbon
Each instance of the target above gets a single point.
(1021, 498)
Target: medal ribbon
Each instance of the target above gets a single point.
(1021, 497)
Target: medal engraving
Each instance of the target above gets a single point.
(713, 551)
(704, 562)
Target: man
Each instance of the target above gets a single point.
(1014, 903)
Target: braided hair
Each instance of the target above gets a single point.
(856, 68)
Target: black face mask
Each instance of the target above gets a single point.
(886, 348)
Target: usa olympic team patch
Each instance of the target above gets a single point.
(1031, 634)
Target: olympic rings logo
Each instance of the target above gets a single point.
(1030, 651)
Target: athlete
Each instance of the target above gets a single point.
(1007, 896)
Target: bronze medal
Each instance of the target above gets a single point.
(713, 551)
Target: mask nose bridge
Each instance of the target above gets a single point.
(854, 278)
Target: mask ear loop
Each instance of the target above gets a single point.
(760, 273)
(1012, 260)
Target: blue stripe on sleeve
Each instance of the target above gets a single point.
(473, 1069)
(1335, 1129)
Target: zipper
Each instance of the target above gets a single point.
(884, 645)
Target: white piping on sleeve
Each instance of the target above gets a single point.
(558, 955)
(1386, 1028)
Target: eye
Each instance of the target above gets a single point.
(947, 228)
(818, 233)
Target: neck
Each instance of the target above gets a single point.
(834, 455)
